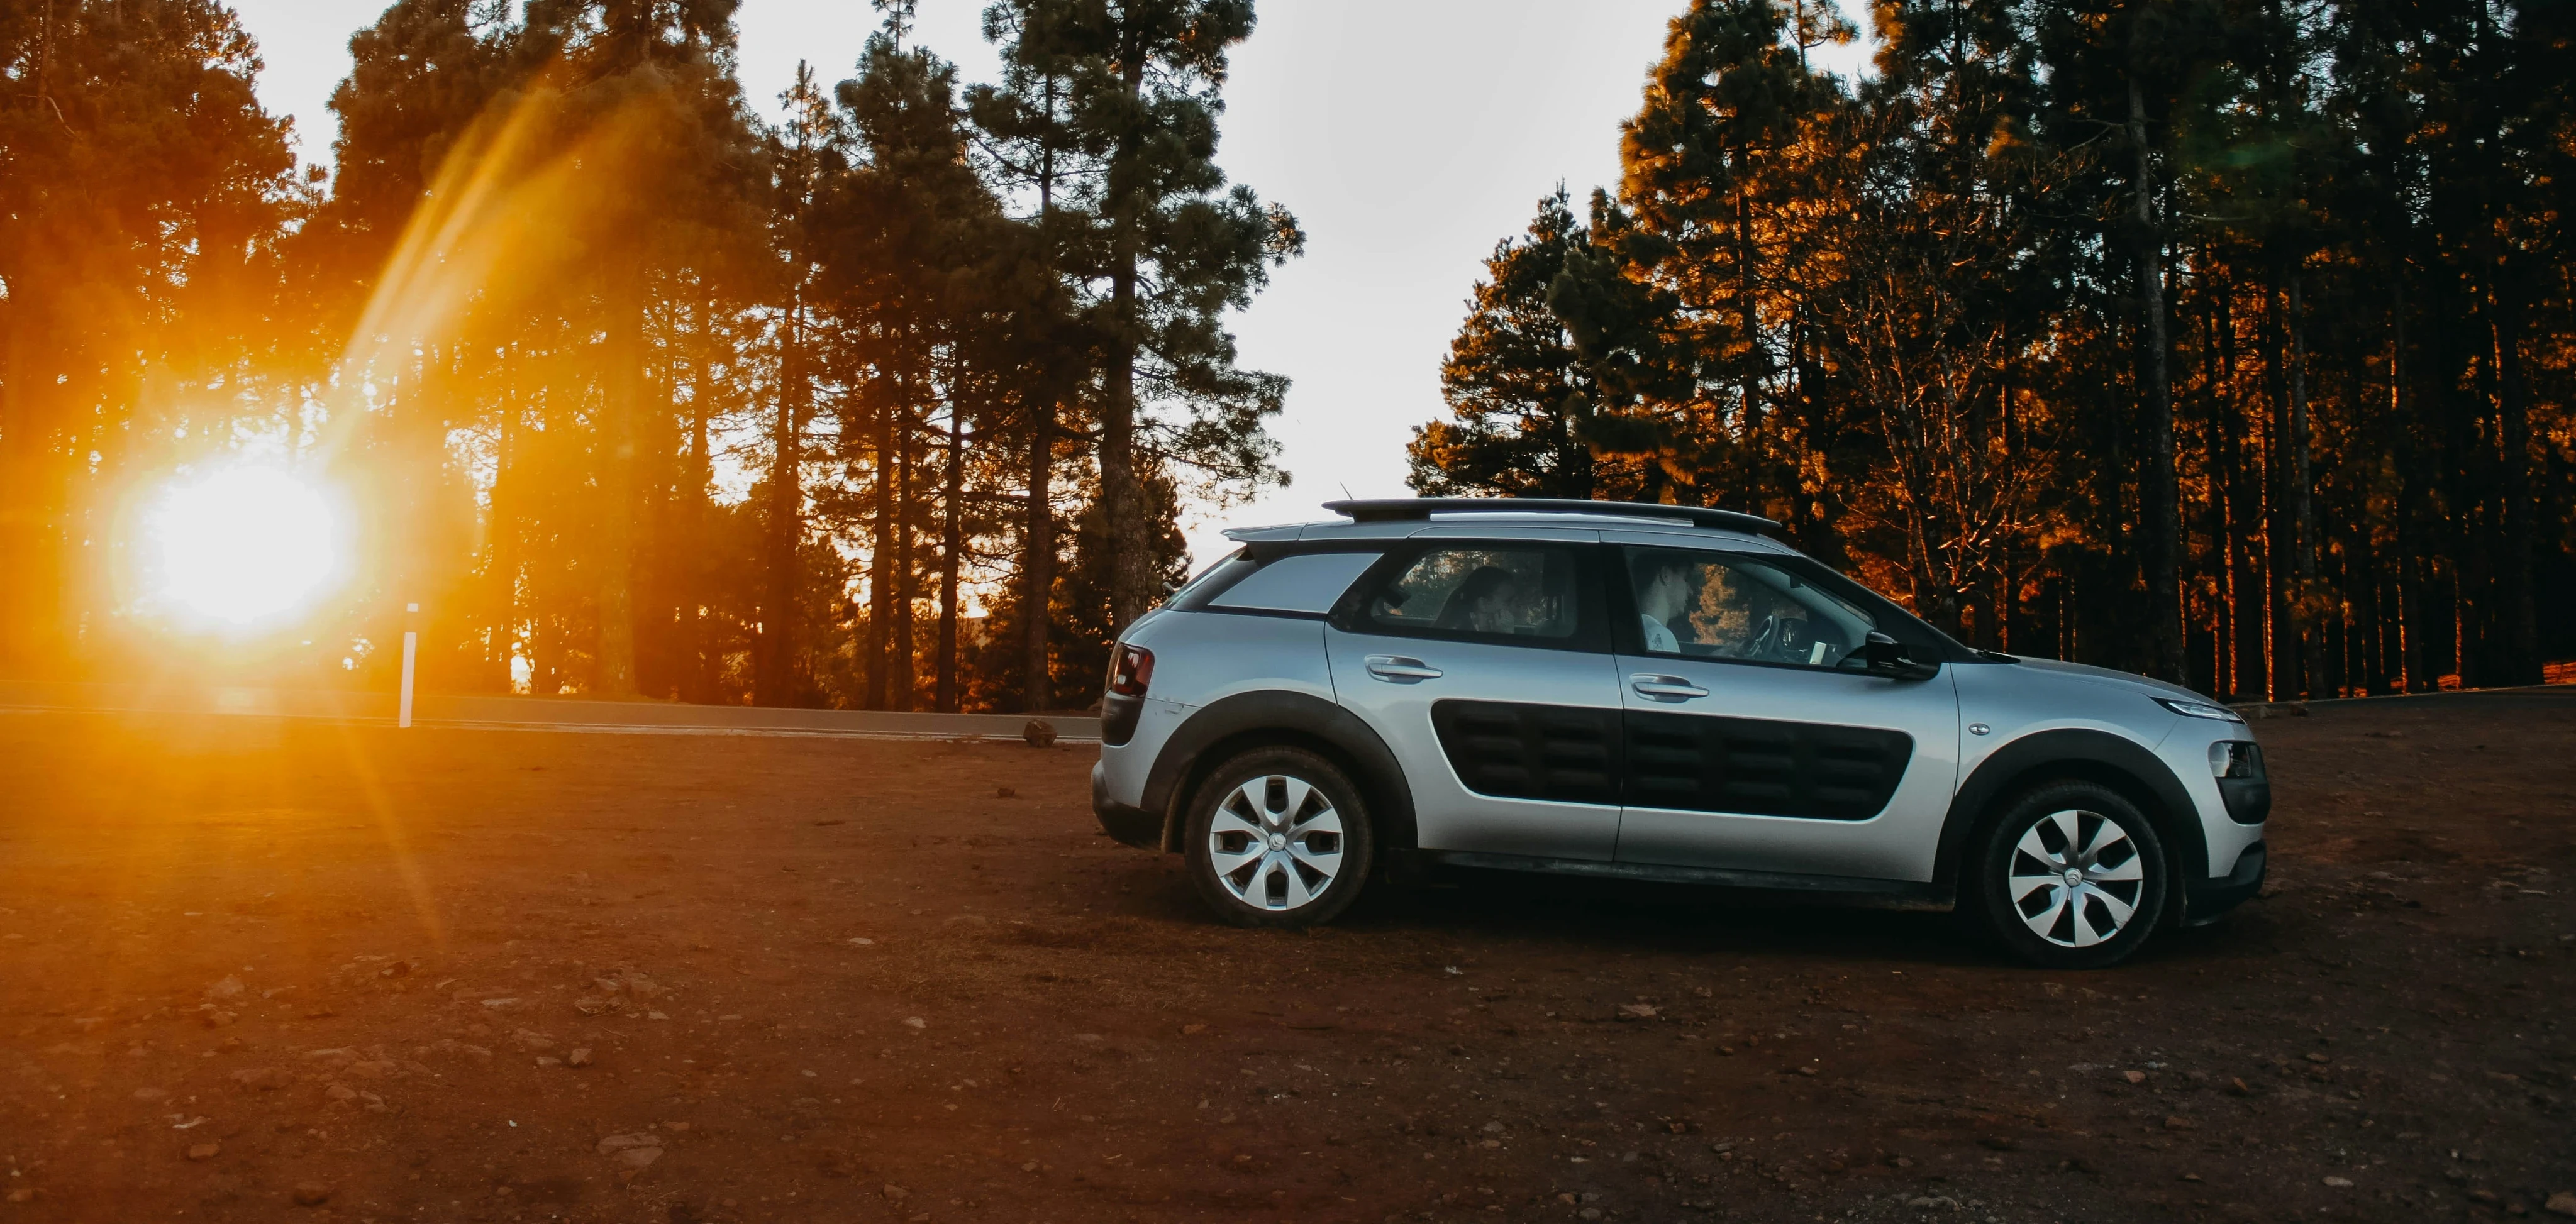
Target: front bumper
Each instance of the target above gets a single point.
(1129, 825)
(2205, 901)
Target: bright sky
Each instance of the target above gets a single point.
(1407, 137)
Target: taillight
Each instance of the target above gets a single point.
(1131, 671)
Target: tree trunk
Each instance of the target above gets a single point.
(2516, 619)
(2303, 520)
(1037, 558)
(880, 638)
(2162, 551)
(952, 544)
(783, 524)
(616, 661)
(1130, 552)
(907, 571)
(694, 545)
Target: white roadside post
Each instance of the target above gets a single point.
(411, 655)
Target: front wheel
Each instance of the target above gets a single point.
(2072, 877)
(1278, 837)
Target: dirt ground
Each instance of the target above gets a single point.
(257, 970)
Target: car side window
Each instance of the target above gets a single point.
(1500, 592)
(1734, 606)
(1304, 583)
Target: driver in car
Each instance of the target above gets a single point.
(1663, 595)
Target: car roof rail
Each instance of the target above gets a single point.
(1398, 509)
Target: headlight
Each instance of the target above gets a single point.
(2199, 709)
(2235, 759)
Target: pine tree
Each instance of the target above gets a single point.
(1170, 254)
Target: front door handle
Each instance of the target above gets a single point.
(1397, 669)
(1665, 688)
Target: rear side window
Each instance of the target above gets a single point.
(1305, 583)
(1481, 590)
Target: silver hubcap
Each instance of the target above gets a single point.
(2075, 878)
(1276, 842)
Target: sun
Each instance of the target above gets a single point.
(245, 544)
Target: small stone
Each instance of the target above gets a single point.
(1493, 1128)
(218, 1018)
(2176, 1122)
(1192, 1030)
(897, 1193)
(2562, 1203)
(1004, 792)
(311, 1194)
(1637, 1011)
(580, 1057)
(862, 941)
(2134, 1077)
(341, 1092)
(263, 1079)
(205, 1151)
(23, 1194)
(2315, 1057)
(1806, 1070)
(2340, 1183)
(1039, 733)
(640, 986)
(2236, 1087)
(229, 988)
(548, 1060)
(612, 1144)
(915, 1023)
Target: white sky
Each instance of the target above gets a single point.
(1407, 136)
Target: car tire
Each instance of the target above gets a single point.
(1278, 837)
(2071, 875)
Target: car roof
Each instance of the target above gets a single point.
(1532, 518)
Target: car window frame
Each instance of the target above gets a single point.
(1591, 607)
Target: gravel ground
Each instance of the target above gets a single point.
(260, 970)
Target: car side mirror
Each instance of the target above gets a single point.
(1886, 659)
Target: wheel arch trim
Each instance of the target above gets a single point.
(1215, 731)
(2076, 753)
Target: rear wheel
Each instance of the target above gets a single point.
(1278, 837)
(2072, 876)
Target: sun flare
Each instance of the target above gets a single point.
(245, 544)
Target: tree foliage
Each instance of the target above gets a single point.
(2226, 340)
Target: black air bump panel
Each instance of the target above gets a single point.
(1514, 750)
(1757, 767)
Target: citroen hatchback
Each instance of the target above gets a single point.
(1652, 693)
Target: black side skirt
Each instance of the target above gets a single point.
(1767, 885)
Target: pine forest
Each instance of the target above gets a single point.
(2231, 341)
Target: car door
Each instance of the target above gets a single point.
(1753, 740)
(1485, 666)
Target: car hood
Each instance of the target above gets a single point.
(2114, 679)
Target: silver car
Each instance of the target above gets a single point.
(1653, 693)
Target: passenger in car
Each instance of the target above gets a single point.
(1483, 602)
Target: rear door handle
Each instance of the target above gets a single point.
(1397, 669)
(1665, 688)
